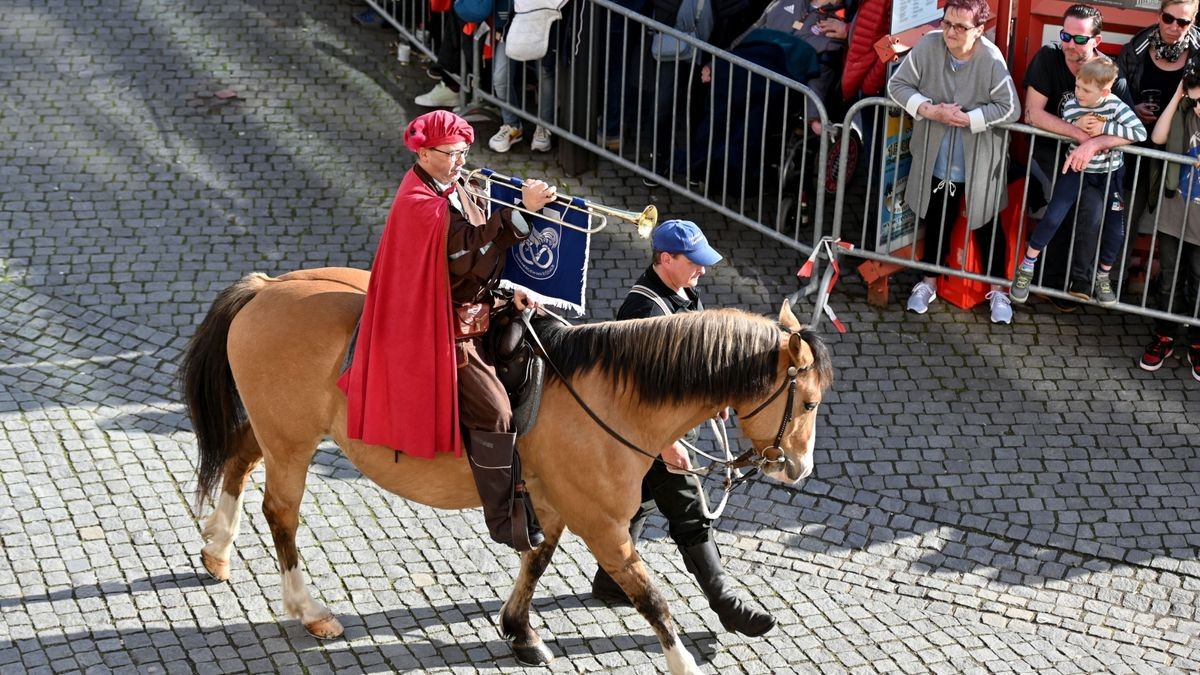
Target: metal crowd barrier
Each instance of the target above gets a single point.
(888, 231)
(734, 136)
(737, 143)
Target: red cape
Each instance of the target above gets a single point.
(402, 387)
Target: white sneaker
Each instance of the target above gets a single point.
(922, 294)
(1001, 307)
(503, 140)
(440, 96)
(541, 140)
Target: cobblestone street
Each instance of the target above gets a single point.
(986, 498)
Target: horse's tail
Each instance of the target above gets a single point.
(208, 386)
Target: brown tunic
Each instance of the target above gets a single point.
(475, 245)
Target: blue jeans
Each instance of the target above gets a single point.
(508, 84)
(1099, 214)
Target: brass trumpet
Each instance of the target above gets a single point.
(645, 220)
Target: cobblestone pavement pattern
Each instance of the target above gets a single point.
(986, 498)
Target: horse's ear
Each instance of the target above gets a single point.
(787, 319)
(796, 347)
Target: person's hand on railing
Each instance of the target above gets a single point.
(949, 114)
(1078, 158)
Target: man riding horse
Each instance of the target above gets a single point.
(419, 373)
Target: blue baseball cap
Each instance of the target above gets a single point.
(684, 236)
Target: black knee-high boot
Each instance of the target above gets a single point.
(604, 588)
(507, 508)
(704, 562)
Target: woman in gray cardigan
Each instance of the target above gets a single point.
(956, 85)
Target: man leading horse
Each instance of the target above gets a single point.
(680, 254)
(419, 372)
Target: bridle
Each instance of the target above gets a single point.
(758, 458)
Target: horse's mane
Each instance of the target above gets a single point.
(714, 355)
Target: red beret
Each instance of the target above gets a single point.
(439, 127)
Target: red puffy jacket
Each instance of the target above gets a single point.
(864, 72)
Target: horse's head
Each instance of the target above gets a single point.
(782, 425)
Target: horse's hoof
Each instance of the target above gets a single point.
(325, 629)
(217, 568)
(532, 655)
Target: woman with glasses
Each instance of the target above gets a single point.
(1153, 63)
(956, 85)
(419, 376)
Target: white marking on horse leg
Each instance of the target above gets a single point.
(680, 661)
(221, 528)
(296, 600)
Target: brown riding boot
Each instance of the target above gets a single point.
(507, 508)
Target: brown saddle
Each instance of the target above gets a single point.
(519, 366)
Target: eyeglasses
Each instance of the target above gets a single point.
(956, 27)
(1167, 20)
(454, 154)
(1077, 39)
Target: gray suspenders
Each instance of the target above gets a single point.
(654, 297)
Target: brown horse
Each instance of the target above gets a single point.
(259, 379)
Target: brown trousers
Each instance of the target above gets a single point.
(482, 402)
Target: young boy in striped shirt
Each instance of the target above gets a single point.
(1098, 112)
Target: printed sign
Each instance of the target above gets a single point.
(912, 13)
(897, 223)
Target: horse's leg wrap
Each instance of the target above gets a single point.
(704, 562)
(507, 508)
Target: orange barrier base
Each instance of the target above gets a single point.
(876, 274)
(966, 293)
(962, 293)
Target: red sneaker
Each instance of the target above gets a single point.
(1157, 353)
(1194, 359)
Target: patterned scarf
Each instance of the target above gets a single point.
(1168, 52)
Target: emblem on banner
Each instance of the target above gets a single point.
(537, 256)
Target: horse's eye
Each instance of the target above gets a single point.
(811, 406)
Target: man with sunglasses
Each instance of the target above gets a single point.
(1049, 84)
(419, 376)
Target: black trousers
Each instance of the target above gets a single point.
(677, 499)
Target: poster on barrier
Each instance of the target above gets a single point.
(897, 223)
(912, 13)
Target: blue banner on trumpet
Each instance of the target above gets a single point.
(552, 263)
